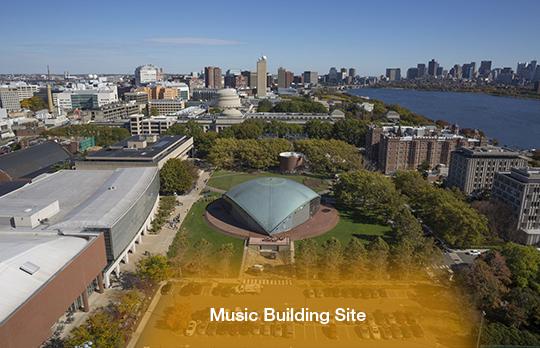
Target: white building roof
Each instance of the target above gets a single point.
(41, 254)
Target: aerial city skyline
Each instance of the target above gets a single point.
(268, 174)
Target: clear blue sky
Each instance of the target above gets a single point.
(183, 36)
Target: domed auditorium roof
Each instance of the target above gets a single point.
(228, 98)
(270, 200)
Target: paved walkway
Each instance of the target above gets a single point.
(159, 243)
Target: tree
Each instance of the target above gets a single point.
(154, 111)
(524, 263)
(501, 221)
(350, 130)
(488, 278)
(444, 211)
(129, 304)
(177, 316)
(306, 258)
(177, 176)
(201, 256)
(317, 129)
(103, 135)
(222, 153)
(331, 259)
(264, 105)
(329, 157)
(100, 329)
(368, 194)
(378, 252)
(34, 103)
(225, 253)
(153, 269)
(355, 254)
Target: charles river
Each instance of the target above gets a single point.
(513, 122)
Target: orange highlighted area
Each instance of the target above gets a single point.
(307, 314)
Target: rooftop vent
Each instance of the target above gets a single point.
(29, 267)
(112, 188)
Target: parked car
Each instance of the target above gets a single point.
(375, 332)
(386, 333)
(473, 252)
(202, 327)
(289, 330)
(267, 330)
(192, 326)
(277, 330)
(332, 331)
(417, 331)
(396, 332)
(212, 329)
(363, 332)
(407, 333)
(319, 293)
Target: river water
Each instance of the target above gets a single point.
(512, 121)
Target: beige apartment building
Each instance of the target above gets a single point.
(473, 170)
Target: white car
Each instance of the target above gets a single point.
(192, 326)
(473, 252)
(375, 332)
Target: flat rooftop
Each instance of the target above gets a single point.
(152, 152)
(86, 198)
(43, 255)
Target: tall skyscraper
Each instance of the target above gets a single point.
(352, 72)
(393, 74)
(261, 77)
(332, 75)
(485, 68)
(421, 70)
(311, 77)
(285, 78)
(433, 65)
(412, 73)
(212, 77)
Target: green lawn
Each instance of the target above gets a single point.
(347, 228)
(197, 229)
(224, 180)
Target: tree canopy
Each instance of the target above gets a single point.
(177, 176)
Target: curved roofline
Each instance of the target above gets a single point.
(247, 210)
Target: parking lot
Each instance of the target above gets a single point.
(408, 316)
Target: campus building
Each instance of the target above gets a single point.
(271, 205)
(395, 148)
(473, 170)
(139, 151)
(61, 238)
(519, 189)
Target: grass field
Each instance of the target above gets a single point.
(197, 228)
(224, 180)
(347, 228)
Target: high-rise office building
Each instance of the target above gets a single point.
(456, 71)
(332, 76)
(485, 68)
(352, 72)
(393, 74)
(311, 77)
(412, 73)
(421, 70)
(261, 76)
(285, 78)
(433, 65)
(212, 77)
(440, 71)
